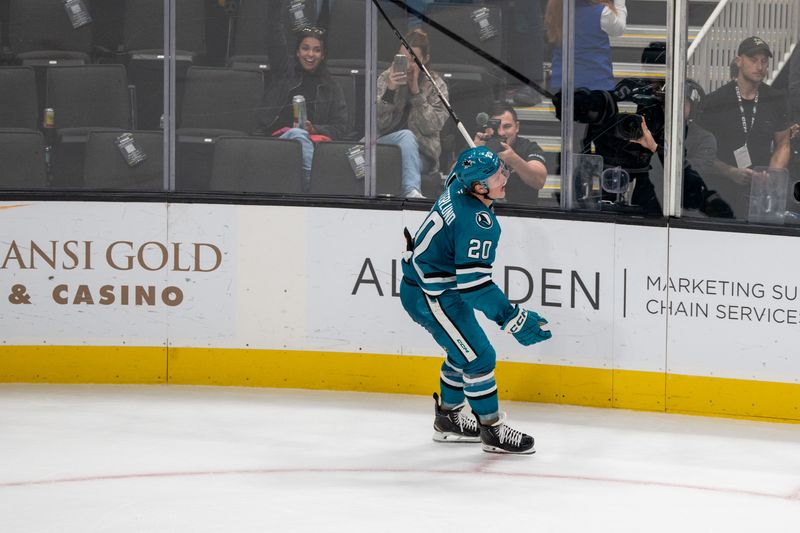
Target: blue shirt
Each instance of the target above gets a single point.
(593, 68)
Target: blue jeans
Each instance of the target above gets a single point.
(411, 159)
(307, 147)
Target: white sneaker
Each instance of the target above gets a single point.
(414, 193)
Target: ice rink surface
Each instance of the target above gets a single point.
(203, 459)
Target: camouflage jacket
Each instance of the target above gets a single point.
(425, 119)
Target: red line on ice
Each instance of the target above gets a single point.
(479, 470)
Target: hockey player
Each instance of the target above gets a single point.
(447, 273)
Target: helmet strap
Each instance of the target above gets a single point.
(484, 195)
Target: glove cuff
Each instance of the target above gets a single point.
(517, 321)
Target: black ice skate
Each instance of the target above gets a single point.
(499, 438)
(453, 426)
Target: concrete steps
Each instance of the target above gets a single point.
(646, 24)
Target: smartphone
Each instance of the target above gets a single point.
(400, 63)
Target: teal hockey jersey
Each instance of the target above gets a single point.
(454, 249)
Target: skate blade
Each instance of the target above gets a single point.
(443, 436)
(494, 449)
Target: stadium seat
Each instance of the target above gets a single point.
(84, 98)
(144, 26)
(347, 34)
(257, 164)
(249, 49)
(89, 96)
(331, 173)
(355, 109)
(217, 102)
(253, 27)
(19, 106)
(220, 101)
(22, 160)
(143, 46)
(345, 56)
(41, 33)
(472, 81)
(106, 168)
(448, 55)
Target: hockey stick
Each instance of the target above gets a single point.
(422, 67)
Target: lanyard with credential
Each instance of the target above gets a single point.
(741, 110)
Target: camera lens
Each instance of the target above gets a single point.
(629, 127)
(615, 180)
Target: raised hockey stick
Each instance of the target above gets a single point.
(441, 96)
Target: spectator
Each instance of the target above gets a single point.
(749, 120)
(794, 83)
(700, 149)
(794, 103)
(411, 115)
(525, 159)
(700, 144)
(595, 22)
(696, 194)
(325, 104)
(593, 69)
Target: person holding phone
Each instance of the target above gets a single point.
(410, 113)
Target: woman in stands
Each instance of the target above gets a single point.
(595, 22)
(325, 103)
(411, 115)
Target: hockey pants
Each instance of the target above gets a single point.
(468, 370)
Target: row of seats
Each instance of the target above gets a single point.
(21, 104)
(135, 98)
(83, 98)
(41, 35)
(239, 164)
(40, 30)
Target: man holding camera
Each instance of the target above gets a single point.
(523, 158)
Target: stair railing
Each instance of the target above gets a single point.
(713, 50)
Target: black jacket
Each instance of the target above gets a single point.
(329, 111)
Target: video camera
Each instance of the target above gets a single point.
(600, 107)
(485, 122)
(612, 131)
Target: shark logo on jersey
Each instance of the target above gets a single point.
(484, 220)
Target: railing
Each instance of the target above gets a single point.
(714, 49)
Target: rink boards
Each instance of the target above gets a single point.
(643, 317)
